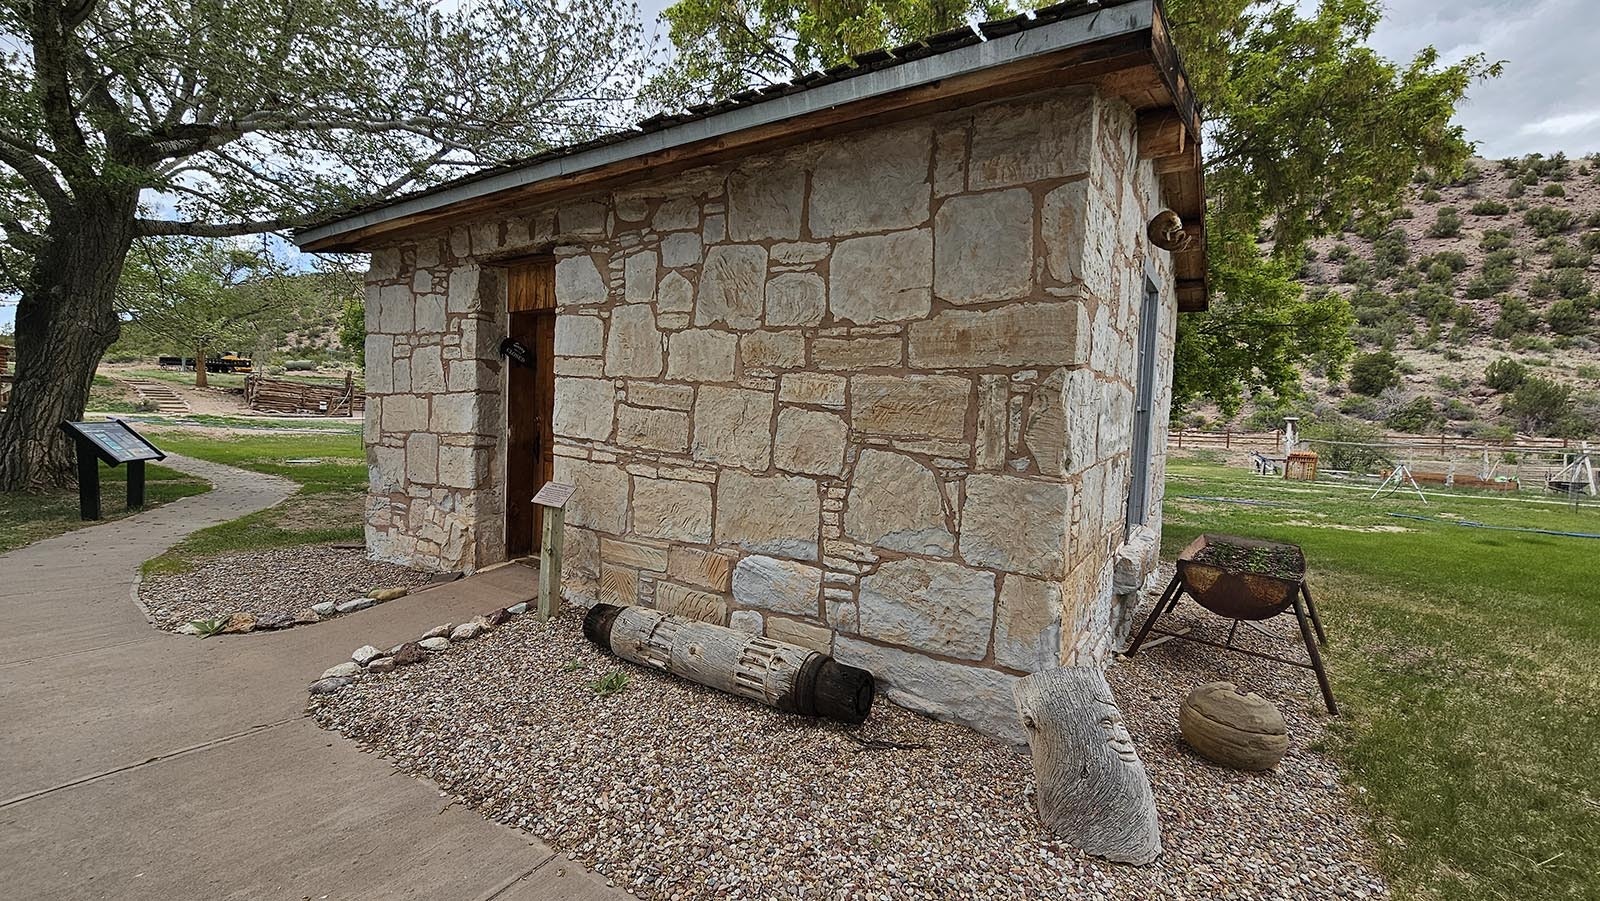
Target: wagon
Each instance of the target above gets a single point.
(1245, 580)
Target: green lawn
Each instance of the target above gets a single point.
(1464, 661)
(328, 506)
(27, 517)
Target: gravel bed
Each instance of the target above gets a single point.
(280, 581)
(675, 791)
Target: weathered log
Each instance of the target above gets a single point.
(788, 677)
(1092, 788)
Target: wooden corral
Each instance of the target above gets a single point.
(268, 395)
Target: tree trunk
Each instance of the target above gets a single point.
(1092, 788)
(199, 366)
(66, 319)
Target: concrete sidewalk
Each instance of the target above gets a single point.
(139, 764)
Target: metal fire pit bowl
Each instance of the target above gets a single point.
(1237, 592)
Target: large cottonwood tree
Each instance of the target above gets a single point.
(123, 120)
(1306, 128)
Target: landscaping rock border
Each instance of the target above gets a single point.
(369, 659)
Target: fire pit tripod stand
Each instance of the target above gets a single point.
(1244, 580)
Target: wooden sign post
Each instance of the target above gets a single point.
(553, 498)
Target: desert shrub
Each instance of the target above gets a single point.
(1490, 208)
(1538, 403)
(1569, 257)
(1429, 195)
(1504, 374)
(1547, 220)
(1420, 414)
(1554, 190)
(1593, 221)
(1462, 322)
(1339, 253)
(1589, 371)
(1448, 382)
(1495, 239)
(1371, 373)
(1453, 356)
(1591, 241)
(1446, 223)
(1361, 407)
(1433, 303)
(1454, 260)
(1515, 189)
(1491, 281)
(1515, 318)
(1532, 343)
(1356, 271)
(1567, 317)
(1405, 212)
(1407, 279)
(1568, 283)
(1339, 441)
(1457, 410)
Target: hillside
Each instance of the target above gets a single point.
(1498, 264)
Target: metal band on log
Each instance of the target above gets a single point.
(788, 677)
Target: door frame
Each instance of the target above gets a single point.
(1142, 454)
(530, 316)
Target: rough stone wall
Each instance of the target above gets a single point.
(872, 395)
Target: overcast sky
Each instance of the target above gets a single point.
(1547, 100)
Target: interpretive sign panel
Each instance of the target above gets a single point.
(115, 442)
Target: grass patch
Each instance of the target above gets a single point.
(29, 517)
(1463, 662)
(327, 508)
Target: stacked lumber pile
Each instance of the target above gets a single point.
(269, 395)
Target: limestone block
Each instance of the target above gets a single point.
(798, 254)
(675, 294)
(639, 277)
(812, 388)
(388, 466)
(701, 355)
(972, 696)
(766, 202)
(936, 607)
(691, 603)
(1027, 627)
(618, 585)
(578, 282)
(380, 364)
(1044, 431)
(895, 503)
(465, 294)
(585, 219)
(427, 370)
(680, 249)
(994, 392)
(768, 514)
(872, 182)
(630, 207)
(983, 247)
(584, 408)
(882, 278)
(652, 429)
(677, 214)
(781, 586)
(404, 413)
(796, 298)
(950, 160)
(422, 458)
(457, 414)
(732, 286)
(463, 466)
(806, 635)
(582, 551)
(1064, 224)
(1136, 559)
(1015, 524)
(745, 621)
(1233, 728)
(703, 569)
(383, 264)
(911, 406)
(633, 343)
(632, 554)
(1029, 334)
(666, 397)
(851, 354)
(1083, 405)
(430, 314)
(1020, 142)
(772, 350)
(394, 309)
(671, 509)
(809, 441)
(733, 427)
(579, 336)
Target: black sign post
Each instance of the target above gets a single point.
(115, 442)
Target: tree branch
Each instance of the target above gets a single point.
(167, 227)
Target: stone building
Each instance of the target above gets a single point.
(877, 362)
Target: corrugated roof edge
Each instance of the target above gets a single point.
(926, 50)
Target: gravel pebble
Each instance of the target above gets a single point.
(675, 791)
(269, 584)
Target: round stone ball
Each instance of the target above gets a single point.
(1228, 726)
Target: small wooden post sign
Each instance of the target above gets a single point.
(553, 498)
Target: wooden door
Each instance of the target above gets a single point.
(530, 399)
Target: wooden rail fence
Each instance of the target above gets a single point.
(271, 395)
